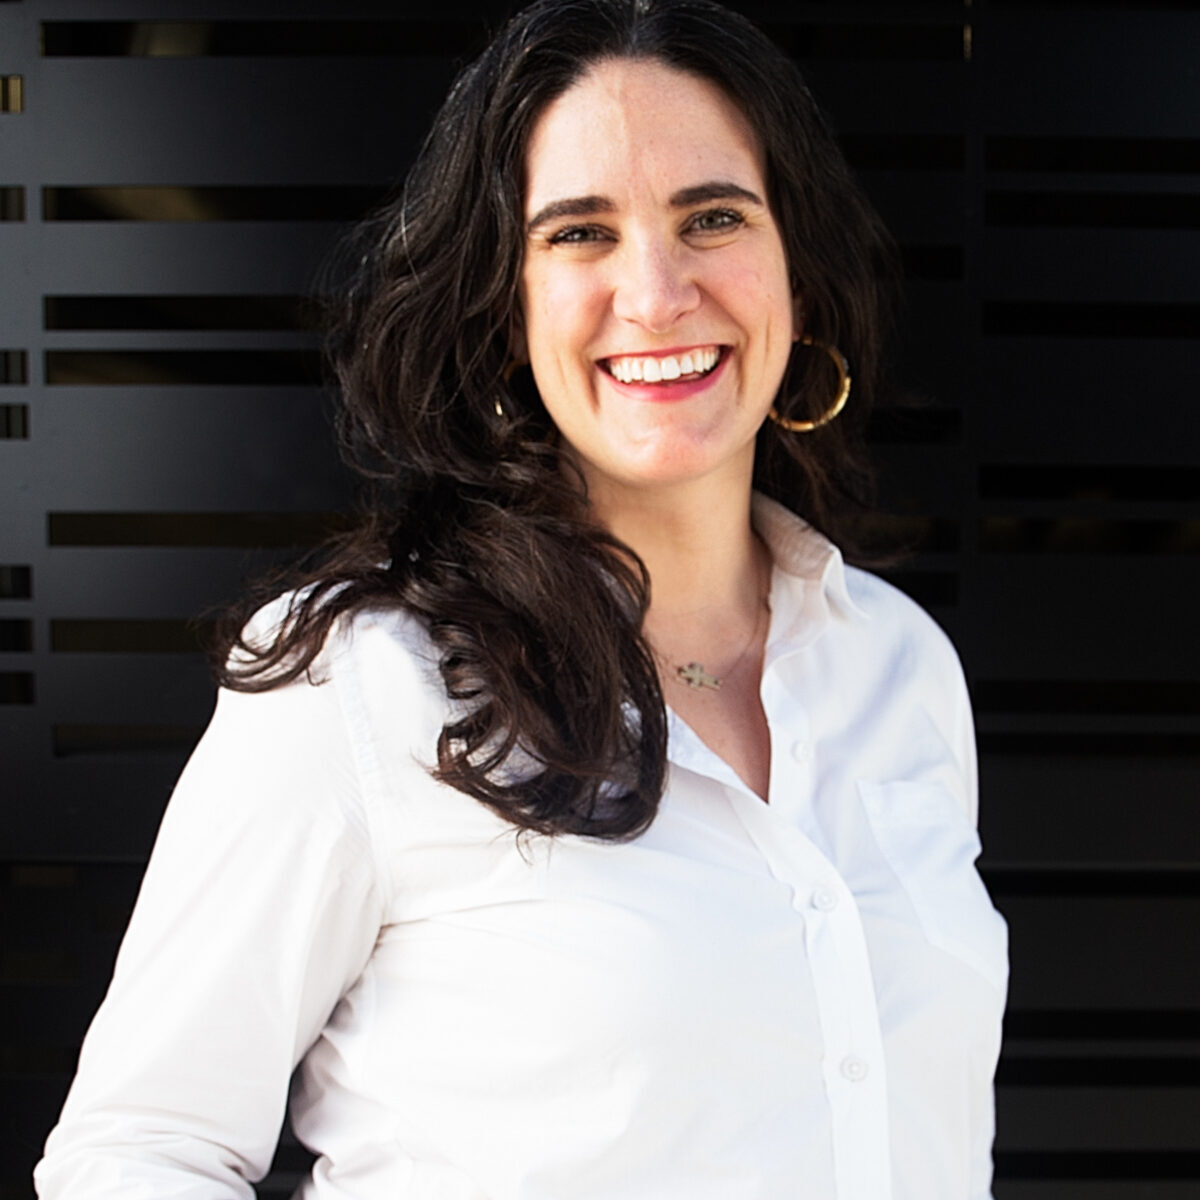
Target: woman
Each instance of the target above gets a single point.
(584, 828)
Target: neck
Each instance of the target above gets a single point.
(708, 570)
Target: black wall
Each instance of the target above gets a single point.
(171, 172)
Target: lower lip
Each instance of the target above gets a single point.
(665, 393)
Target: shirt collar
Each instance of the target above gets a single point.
(808, 583)
(799, 550)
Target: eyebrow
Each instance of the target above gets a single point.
(718, 189)
(586, 206)
(577, 206)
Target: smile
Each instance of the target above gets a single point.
(666, 368)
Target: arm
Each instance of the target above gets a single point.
(983, 1069)
(259, 908)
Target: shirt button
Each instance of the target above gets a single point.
(800, 750)
(854, 1069)
(823, 900)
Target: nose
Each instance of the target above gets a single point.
(654, 286)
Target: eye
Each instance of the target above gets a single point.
(577, 235)
(716, 220)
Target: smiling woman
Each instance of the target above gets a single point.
(582, 827)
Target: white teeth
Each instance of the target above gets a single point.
(669, 367)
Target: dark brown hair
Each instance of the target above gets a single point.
(474, 521)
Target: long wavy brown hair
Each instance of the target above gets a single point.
(472, 518)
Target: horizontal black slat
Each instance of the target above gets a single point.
(249, 202)
(1103, 1024)
(83, 636)
(70, 741)
(282, 38)
(1131, 5)
(1092, 210)
(912, 42)
(1103, 1071)
(1092, 881)
(1088, 535)
(1110, 744)
(1088, 696)
(453, 39)
(1111, 155)
(1097, 1164)
(1088, 481)
(191, 528)
(178, 312)
(182, 368)
(1044, 318)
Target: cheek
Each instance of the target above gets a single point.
(562, 316)
(756, 288)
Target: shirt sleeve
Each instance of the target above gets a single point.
(983, 1070)
(964, 741)
(259, 909)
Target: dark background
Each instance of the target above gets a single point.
(172, 171)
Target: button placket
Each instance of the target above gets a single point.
(793, 754)
(844, 992)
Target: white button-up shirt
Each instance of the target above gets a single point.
(798, 1000)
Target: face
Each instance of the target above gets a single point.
(657, 312)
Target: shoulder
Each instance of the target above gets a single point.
(373, 707)
(307, 762)
(889, 612)
(351, 640)
(916, 664)
(894, 629)
(376, 675)
(383, 658)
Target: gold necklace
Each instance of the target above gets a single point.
(698, 679)
(695, 676)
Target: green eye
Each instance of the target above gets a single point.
(576, 235)
(716, 220)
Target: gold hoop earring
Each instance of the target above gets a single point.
(839, 401)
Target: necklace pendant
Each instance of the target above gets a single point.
(695, 676)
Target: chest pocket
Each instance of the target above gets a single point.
(932, 847)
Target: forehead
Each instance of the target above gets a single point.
(628, 117)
